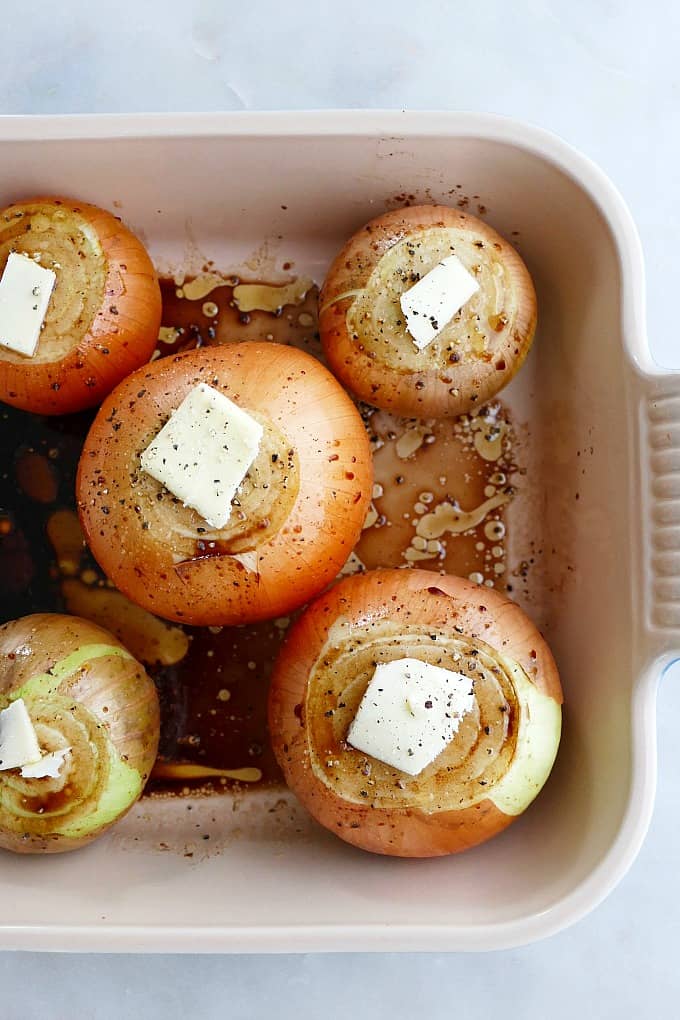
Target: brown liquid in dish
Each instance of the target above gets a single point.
(441, 488)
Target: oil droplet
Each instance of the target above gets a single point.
(252, 297)
(168, 334)
(489, 437)
(201, 286)
(476, 577)
(447, 517)
(494, 530)
(209, 309)
(412, 554)
(187, 770)
(371, 517)
(410, 441)
(223, 694)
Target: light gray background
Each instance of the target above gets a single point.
(604, 74)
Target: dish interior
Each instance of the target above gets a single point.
(234, 863)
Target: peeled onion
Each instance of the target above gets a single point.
(493, 767)
(84, 691)
(103, 317)
(363, 329)
(300, 509)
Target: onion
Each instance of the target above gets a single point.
(84, 691)
(485, 777)
(362, 325)
(104, 314)
(300, 509)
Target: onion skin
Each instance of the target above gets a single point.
(121, 336)
(107, 701)
(410, 596)
(300, 398)
(442, 390)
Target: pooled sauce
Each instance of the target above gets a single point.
(214, 317)
(441, 489)
(439, 494)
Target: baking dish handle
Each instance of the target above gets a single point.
(660, 477)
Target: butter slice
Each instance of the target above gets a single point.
(48, 767)
(25, 292)
(18, 741)
(410, 712)
(203, 453)
(433, 301)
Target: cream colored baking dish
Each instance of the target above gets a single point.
(598, 522)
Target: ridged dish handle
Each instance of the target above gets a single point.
(661, 452)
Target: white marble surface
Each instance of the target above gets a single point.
(602, 73)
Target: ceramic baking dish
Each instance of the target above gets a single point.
(598, 521)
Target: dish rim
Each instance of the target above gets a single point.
(610, 870)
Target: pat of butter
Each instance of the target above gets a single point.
(433, 301)
(48, 767)
(25, 292)
(410, 712)
(203, 453)
(18, 741)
